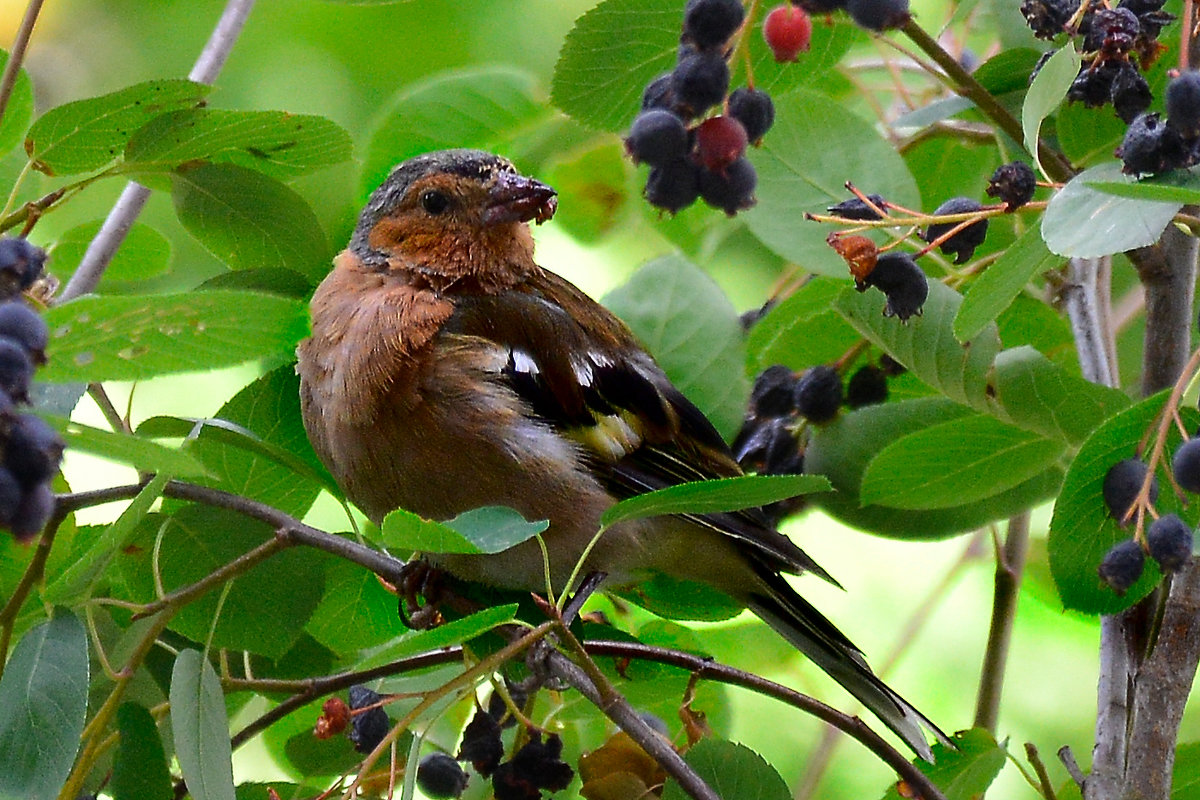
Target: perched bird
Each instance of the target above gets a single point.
(447, 371)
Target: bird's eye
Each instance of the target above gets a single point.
(434, 202)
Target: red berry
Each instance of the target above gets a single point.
(787, 30)
(719, 142)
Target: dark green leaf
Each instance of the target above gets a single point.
(802, 330)
(1000, 283)
(88, 134)
(1082, 222)
(791, 181)
(957, 462)
(1047, 92)
(43, 700)
(19, 110)
(592, 189)
(688, 324)
(613, 51)
(1008, 70)
(249, 220)
(448, 635)
(831, 39)
(145, 253)
(710, 497)
(355, 613)
(733, 771)
(140, 769)
(491, 529)
(483, 107)
(144, 455)
(200, 728)
(674, 598)
(1185, 777)
(131, 338)
(965, 771)
(276, 143)
(1082, 531)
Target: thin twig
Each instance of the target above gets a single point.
(1010, 566)
(16, 56)
(1035, 758)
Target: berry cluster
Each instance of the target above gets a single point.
(874, 15)
(32, 450)
(691, 156)
(536, 767)
(1153, 145)
(1168, 540)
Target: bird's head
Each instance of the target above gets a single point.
(453, 216)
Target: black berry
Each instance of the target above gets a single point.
(1130, 93)
(731, 189)
(866, 387)
(700, 80)
(773, 392)
(1046, 18)
(20, 265)
(1150, 146)
(819, 393)
(535, 767)
(439, 776)
(902, 282)
(1183, 104)
(820, 6)
(1122, 483)
(854, 208)
(673, 186)
(659, 94)
(709, 23)
(367, 728)
(481, 743)
(22, 324)
(878, 15)
(1013, 184)
(16, 369)
(768, 446)
(1122, 565)
(1111, 31)
(1186, 466)
(962, 244)
(33, 450)
(1093, 85)
(1169, 540)
(657, 137)
(754, 109)
(11, 493)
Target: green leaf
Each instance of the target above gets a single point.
(88, 134)
(249, 220)
(802, 330)
(1046, 93)
(714, 496)
(123, 448)
(1081, 529)
(956, 462)
(965, 771)
(1000, 283)
(1082, 222)
(43, 701)
(140, 769)
(614, 50)
(448, 635)
(266, 608)
(792, 182)
(132, 338)
(733, 771)
(674, 598)
(200, 728)
(491, 529)
(688, 324)
(1185, 776)
(19, 110)
(482, 107)
(355, 613)
(1176, 186)
(145, 253)
(275, 143)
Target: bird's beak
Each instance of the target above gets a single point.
(515, 198)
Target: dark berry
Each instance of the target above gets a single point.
(819, 393)
(891, 367)
(22, 324)
(16, 369)
(1122, 483)
(731, 189)
(768, 446)
(1186, 466)
(772, 393)
(1150, 147)
(1130, 93)
(1141, 7)
(866, 387)
(481, 743)
(788, 31)
(854, 208)
(902, 282)
(962, 244)
(754, 109)
(439, 776)
(820, 6)
(1093, 85)
(535, 767)
(1041, 62)
(659, 94)
(673, 186)
(1122, 565)
(33, 450)
(1183, 104)
(657, 137)
(20, 265)
(497, 709)
(709, 23)
(367, 728)
(1169, 540)
(700, 80)
(878, 15)
(1013, 184)
(1046, 18)
(33, 512)
(11, 493)
(1112, 31)
(720, 141)
(752, 317)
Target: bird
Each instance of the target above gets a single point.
(446, 371)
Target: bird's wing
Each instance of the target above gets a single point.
(580, 370)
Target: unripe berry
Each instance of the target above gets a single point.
(788, 31)
(1170, 541)
(720, 141)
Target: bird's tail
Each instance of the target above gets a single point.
(812, 634)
